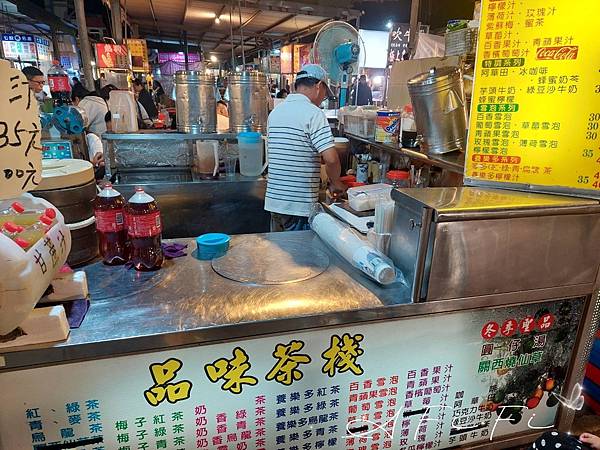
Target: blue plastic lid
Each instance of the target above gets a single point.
(249, 137)
(213, 239)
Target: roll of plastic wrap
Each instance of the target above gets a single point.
(353, 249)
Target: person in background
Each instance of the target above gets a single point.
(298, 137)
(36, 80)
(222, 116)
(145, 99)
(555, 439)
(98, 115)
(94, 106)
(282, 94)
(361, 95)
(158, 91)
(76, 82)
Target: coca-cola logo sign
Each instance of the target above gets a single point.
(557, 53)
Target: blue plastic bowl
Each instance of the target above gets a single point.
(212, 245)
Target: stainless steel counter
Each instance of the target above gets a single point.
(191, 208)
(187, 302)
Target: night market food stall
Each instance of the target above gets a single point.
(480, 341)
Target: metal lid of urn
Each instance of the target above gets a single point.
(195, 102)
(248, 101)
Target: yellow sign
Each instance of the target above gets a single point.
(535, 115)
(139, 55)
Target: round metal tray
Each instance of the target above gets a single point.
(279, 260)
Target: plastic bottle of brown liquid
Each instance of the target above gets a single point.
(109, 210)
(144, 229)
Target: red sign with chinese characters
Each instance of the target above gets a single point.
(557, 53)
(112, 56)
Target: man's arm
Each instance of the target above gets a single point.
(333, 169)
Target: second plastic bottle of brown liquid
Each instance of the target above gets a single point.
(109, 209)
(144, 229)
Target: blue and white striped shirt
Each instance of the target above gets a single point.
(297, 133)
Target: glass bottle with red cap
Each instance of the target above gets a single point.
(398, 178)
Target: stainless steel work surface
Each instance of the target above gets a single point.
(187, 302)
(272, 259)
(446, 200)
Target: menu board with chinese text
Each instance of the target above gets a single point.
(535, 115)
(478, 376)
(19, 47)
(112, 56)
(139, 54)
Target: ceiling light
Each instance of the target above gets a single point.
(218, 20)
(198, 14)
(389, 25)
(213, 58)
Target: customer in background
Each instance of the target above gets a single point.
(99, 117)
(222, 116)
(282, 94)
(36, 80)
(94, 106)
(76, 82)
(145, 98)
(362, 95)
(298, 137)
(158, 92)
(563, 441)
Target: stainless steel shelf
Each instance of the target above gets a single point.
(454, 162)
(151, 135)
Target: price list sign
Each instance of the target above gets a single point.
(535, 115)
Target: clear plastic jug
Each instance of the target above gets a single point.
(251, 146)
(123, 106)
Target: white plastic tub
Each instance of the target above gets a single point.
(25, 275)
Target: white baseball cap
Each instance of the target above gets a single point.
(317, 72)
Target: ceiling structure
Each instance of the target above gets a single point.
(219, 25)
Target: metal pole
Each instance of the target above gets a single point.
(414, 24)
(55, 45)
(231, 36)
(242, 34)
(84, 45)
(115, 16)
(186, 51)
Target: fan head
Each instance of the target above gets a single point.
(337, 48)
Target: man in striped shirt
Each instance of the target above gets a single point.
(298, 138)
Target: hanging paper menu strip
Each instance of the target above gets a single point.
(535, 115)
(20, 146)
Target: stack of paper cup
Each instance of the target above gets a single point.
(353, 249)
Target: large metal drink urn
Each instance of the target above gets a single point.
(195, 102)
(248, 101)
(438, 102)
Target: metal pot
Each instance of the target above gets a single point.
(195, 102)
(248, 101)
(438, 101)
